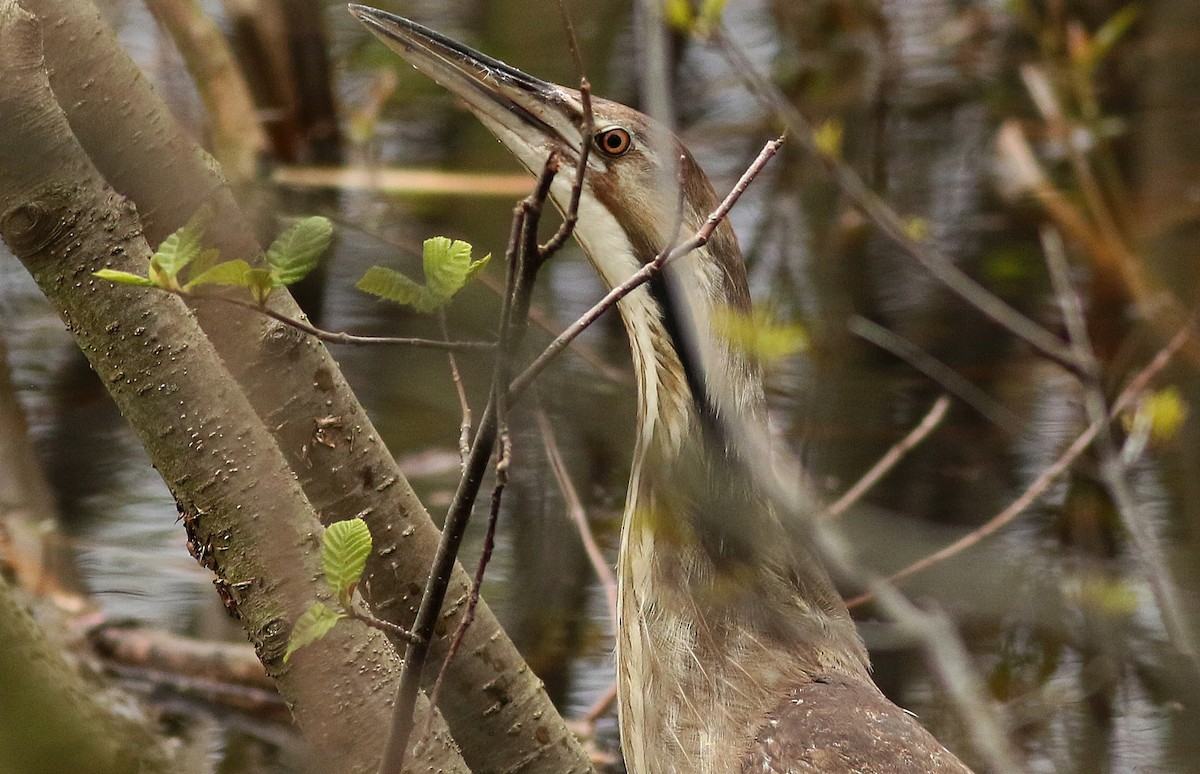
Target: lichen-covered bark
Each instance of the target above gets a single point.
(246, 514)
(499, 714)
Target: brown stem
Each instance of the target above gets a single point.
(890, 459)
(1047, 476)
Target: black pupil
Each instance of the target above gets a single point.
(614, 141)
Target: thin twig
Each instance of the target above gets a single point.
(604, 573)
(571, 217)
(464, 427)
(889, 460)
(335, 337)
(1040, 484)
(945, 376)
(1112, 470)
(485, 556)
(889, 222)
(387, 627)
(644, 274)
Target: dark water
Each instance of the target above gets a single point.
(1056, 612)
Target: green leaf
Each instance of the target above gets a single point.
(344, 551)
(125, 278)
(1162, 413)
(448, 267)
(178, 250)
(294, 253)
(759, 334)
(394, 286)
(678, 14)
(260, 283)
(314, 624)
(710, 13)
(1111, 33)
(828, 138)
(207, 259)
(227, 273)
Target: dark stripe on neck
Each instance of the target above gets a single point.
(684, 339)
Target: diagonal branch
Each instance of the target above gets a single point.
(888, 221)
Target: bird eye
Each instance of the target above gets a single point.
(613, 141)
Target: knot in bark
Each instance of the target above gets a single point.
(31, 227)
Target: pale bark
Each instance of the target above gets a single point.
(497, 710)
(234, 487)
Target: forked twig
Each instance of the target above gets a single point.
(644, 274)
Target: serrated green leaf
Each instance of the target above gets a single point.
(314, 624)
(344, 551)
(179, 249)
(234, 273)
(294, 253)
(124, 277)
(391, 285)
(448, 266)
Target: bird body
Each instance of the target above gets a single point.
(735, 652)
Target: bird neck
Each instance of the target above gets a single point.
(721, 611)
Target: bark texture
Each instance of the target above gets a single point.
(248, 519)
(499, 714)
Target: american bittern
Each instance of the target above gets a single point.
(735, 652)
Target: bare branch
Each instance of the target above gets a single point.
(1153, 563)
(932, 419)
(464, 427)
(946, 377)
(608, 580)
(334, 337)
(889, 222)
(643, 275)
(1039, 485)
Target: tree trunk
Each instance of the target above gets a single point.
(248, 519)
(292, 383)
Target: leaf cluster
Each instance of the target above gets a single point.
(290, 258)
(345, 546)
(448, 267)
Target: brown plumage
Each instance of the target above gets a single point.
(735, 651)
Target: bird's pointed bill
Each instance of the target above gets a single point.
(529, 115)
